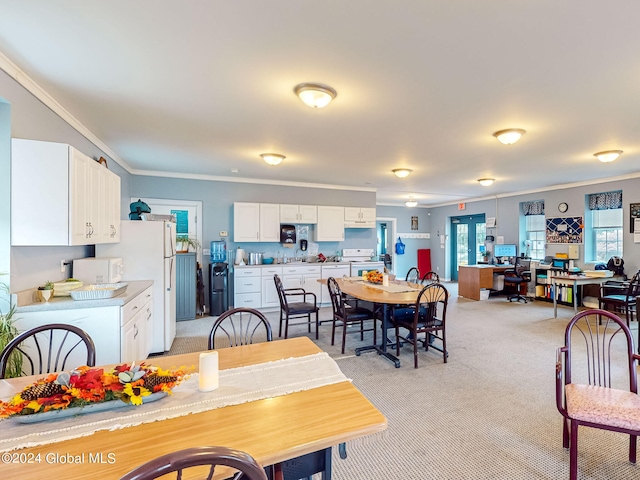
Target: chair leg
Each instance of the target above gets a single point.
(397, 340)
(573, 451)
(317, 324)
(286, 327)
(333, 331)
(445, 354)
(361, 330)
(565, 433)
(415, 348)
(344, 335)
(633, 443)
(280, 329)
(375, 329)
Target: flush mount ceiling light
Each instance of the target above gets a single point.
(608, 155)
(411, 202)
(485, 182)
(509, 136)
(315, 95)
(402, 172)
(272, 158)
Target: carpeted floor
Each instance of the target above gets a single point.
(489, 413)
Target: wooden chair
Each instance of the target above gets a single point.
(621, 297)
(430, 277)
(289, 308)
(239, 326)
(413, 275)
(427, 316)
(49, 348)
(584, 389)
(345, 315)
(238, 465)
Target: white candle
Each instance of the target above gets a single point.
(208, 376)
(385, 280)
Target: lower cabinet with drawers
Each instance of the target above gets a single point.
(254, 286)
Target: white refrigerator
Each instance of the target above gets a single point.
(148, 252)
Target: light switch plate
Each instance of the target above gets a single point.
(224, 233)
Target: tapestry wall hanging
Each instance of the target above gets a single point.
(565, 230)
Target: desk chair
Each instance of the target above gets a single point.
(517, 276)
(176, 463)
(48, 348)
(296, 303)
(603, 342)
(239, 326)
(620, 297)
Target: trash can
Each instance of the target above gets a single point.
(218, 286)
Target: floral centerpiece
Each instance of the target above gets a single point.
(85, 386)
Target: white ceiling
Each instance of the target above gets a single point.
(203, 87)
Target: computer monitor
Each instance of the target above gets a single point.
(505, 250)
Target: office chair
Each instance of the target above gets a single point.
(517, 276)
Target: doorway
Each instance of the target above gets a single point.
(468, 235)
(385, 233)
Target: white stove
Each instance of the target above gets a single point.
(360, 259)
(357, 254)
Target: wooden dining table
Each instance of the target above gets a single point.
(272, 430)
(377, 295)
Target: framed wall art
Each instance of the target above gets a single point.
(565, 230)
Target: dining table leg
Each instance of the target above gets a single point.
(382, 349)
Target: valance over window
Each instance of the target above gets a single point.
(605, 200)
(535, 207)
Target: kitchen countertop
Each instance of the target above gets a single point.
(310, 264)
(26, 302)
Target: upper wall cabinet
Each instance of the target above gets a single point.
(330, 226)
(60, 196)
(298, 214)
(356, 217)
(256, 222)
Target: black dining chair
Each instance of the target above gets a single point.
(345, 315)
(238, 465)
(413, 275)
(430, 277)
(296, 303)
(427, 316)
(48, 348)
(239, 326)
(621, 297)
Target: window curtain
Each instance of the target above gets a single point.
(605, 201)
(533, 208)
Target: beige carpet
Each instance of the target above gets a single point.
(489, 413)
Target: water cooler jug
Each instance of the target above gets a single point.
(218, 288)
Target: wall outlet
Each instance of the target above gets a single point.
(224, 233)
(63, 268)
(206, 251)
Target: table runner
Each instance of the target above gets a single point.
(237, 385)
(391, 288)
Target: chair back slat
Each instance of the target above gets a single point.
(239, 326)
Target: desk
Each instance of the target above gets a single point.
(574, 280)
(473, 278)
(271, 430)
(362, 291)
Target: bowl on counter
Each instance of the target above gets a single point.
(267, 261)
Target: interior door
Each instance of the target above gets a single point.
(467, 236)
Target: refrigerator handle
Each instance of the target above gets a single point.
(171, 274)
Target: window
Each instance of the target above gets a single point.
(607, 234)
(534, 229)
(606, 225)
(535, 226)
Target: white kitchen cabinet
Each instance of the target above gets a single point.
(307, 214)
(72, 187)
(359, 217)
(330, 226)
(269, 292)
(121, 333)
(302, 276)
(335, 270)
(256, 222)
(247, 287)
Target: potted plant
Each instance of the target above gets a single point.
(46, 291)
(184, 243)
(8, 332)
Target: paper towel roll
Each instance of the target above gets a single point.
(208, 375)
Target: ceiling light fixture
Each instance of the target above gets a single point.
(509, 136)
(315, 95)
(272, 158)
(608, 155)
(402, 172)
(485, 182)
(411, 202)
